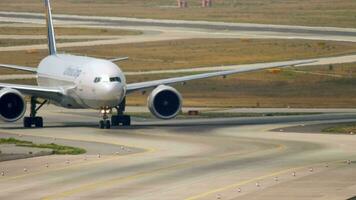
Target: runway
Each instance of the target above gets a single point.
(178, 160)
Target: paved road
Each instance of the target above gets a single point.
(184, 161)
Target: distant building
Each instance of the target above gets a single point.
(182, 3)
(206, 3)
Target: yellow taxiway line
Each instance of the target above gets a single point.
(115, 181)
(239, 184)
(145, 150)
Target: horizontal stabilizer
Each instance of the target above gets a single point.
(119, 59)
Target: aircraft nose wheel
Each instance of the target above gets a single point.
(104, 124)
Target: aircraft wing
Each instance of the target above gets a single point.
(21, 68)
(33, 90)
(247, 68)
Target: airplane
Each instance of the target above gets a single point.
(78, 82)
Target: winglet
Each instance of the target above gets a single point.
(50, 30)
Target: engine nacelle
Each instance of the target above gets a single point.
(12, 105)
(165, 102)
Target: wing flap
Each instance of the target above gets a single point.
(21, 68)
(244, 68)
(33, 90)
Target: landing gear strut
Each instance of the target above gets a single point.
(120, 118)
(33, 119)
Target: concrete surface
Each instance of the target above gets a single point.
(181, 160)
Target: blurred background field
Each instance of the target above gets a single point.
(338, 13)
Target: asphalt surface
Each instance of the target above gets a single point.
(179, 160)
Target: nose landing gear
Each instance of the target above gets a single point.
(116, 120)
(105, 122)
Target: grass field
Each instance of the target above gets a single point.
(207, 115)
(265, 89)
(66, 31)
(339, 13)
(348, 128)
(190, 53)
(259, 89)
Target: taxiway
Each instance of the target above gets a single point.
(181, 160)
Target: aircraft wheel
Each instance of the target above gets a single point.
(101, 124)
(38, 122)
(27, 122)
(126, 120)
(107, 124)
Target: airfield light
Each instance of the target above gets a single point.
(239, 190)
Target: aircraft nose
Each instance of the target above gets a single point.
(114, 90)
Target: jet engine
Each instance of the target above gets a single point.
(12, 105)
(165, 102)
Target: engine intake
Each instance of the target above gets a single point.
(12, 105)
(165, 102)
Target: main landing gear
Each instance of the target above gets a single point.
(116, 120)
(33, 119)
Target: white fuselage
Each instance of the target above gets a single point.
(87, 82)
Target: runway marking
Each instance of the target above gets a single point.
(239, 184)
(108, 183)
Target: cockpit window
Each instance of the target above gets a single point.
(115, 79)
(97, 80)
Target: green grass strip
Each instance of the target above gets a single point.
(57, 149)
